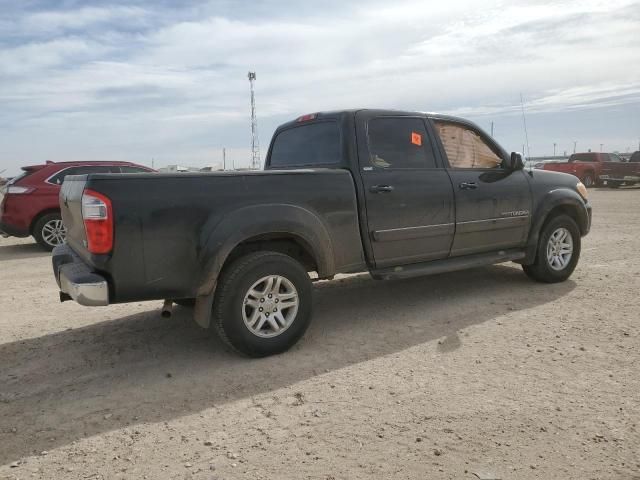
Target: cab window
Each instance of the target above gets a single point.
(307, 145)
(465, 148)
(399, 143)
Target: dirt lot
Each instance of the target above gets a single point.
(476, 374)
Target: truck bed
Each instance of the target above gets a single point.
(178, 223)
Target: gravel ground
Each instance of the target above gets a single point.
(475, 374)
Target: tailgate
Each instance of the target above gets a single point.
(71, 210)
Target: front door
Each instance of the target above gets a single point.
(409, 197)
(493, 204)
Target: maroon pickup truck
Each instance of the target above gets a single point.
(598, 169)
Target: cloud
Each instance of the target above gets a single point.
(149, 76)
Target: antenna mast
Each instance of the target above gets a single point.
(524, 121)
(255, 148)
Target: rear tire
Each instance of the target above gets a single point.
(558, 251)
(263, 304)
(588, 180)
(49, 231)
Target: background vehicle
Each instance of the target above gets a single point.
(635, 157)
(397, 194)
(29, 203)
(595, 168)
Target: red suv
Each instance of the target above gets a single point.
(29, 202)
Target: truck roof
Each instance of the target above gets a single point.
(381, 111)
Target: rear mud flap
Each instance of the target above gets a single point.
(202, 309)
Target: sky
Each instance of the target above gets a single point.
(166, 82)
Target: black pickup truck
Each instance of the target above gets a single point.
(397, 194)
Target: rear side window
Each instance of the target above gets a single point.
(127, 169)
(307, 145)
(59, 177)
(399, 142)
(465, 148)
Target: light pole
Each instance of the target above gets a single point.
(574, 146)
(601, 146)
(554, 149)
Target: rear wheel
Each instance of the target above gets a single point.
(588, 180)
(558, 251)
(263, 304)
(49, 231)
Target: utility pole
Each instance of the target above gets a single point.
(491, 129)
(554, 149)
(601, 146)
(255, 149)
(574, 146)
(224, 158)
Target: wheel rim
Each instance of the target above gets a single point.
(270, 306)
(559, 249)
(588, 181)
(53, 232)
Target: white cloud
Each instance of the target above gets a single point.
(144, 77)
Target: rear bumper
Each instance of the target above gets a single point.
(76, 279)
(7, 230)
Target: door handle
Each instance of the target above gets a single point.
(381, 189)
(468, 186)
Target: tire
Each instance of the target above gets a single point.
(247, 306)
(588, 180)
(49, 231)
(550, 268)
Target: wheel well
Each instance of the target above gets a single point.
(39, 216)
(285, 243)
(568, 210)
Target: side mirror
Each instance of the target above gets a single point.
(515, 162)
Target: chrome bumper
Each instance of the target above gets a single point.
(77, 280)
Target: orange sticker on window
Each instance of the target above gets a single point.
(416, 138)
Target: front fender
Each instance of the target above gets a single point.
(218, 241)
(559, 197)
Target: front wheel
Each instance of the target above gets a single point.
(263, 304)
(558, 251)
(49, 231)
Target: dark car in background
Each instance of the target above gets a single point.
(29, 203)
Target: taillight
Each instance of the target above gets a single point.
(98, 221)
(18, 190)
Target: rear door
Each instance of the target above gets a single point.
(408, 195)
(492, 203)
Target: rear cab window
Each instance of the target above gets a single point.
(583, 157)
(307, 145)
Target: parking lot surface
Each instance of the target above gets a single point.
(474, 374)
